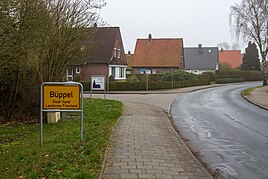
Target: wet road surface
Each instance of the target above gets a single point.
(230, 133)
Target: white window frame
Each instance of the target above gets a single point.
(113, 71)
(115, 52)
(118, 53)
(120, 71)
(71, 76)
(77, 70)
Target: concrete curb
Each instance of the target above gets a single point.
(252, 102)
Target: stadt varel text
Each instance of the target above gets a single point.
(61, 100)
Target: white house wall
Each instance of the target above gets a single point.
(198, 72)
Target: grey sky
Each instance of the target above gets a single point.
(196, 21)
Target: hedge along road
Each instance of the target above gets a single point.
(228, 131)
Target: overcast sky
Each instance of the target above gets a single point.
(196, 21)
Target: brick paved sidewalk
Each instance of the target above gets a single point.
(259, 97)
(145, 145)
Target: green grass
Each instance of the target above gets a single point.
(248, 91)
(61, 156)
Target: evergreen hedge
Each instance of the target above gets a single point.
(152, 85)
(246, 75)
(228, 80)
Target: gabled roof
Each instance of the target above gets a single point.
(158, 53)
(232, 57)
(104, 40)
(201, 58)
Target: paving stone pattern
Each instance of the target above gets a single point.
(144, 145)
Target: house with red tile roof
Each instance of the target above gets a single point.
(231, 57)
(154, 56)
(107, 57)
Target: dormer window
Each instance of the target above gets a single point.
(118, 54)
(115, 52)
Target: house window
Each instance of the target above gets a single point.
(121, 72)
(77, 70)
(69, 74)
(115, 50)
(119, 52)
(113, 72)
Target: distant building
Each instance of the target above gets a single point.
(231, 57)
(201, 59)
(129, 58)
(107, 58)
(154, 56)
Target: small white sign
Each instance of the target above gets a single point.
(98, 83)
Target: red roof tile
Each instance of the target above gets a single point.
(158, 53)
(232, 57)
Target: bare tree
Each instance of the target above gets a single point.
(224, 46)
(235, 46)
(38, 40)
(250, 20)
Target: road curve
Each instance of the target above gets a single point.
(230, 134)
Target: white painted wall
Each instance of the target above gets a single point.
(198, 72)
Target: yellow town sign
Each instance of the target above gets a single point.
(61, 97)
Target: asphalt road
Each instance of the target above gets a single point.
(230, 133)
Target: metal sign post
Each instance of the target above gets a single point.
(61, 97)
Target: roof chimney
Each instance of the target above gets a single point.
(200, 50)
(150, 37)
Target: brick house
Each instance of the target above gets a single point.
(154, 56)
(107, 58)
(231, 57)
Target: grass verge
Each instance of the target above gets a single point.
(61, 156)
(248, 91)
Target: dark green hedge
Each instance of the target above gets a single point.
(142, 77)
(228, 80)
(212, 75)
(246, 75)
(180, 76)
(127, 86)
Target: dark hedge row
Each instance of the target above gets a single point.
(246, 75)
(127, 86)
(228, 80)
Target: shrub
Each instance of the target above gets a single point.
(246, 75)
(179, 76)
(77, 78)
(211, 75)
(132, 79)
(86, 85)
(111, 78)
(228, 80)
(152, 85)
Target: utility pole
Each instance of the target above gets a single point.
(172, 78)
